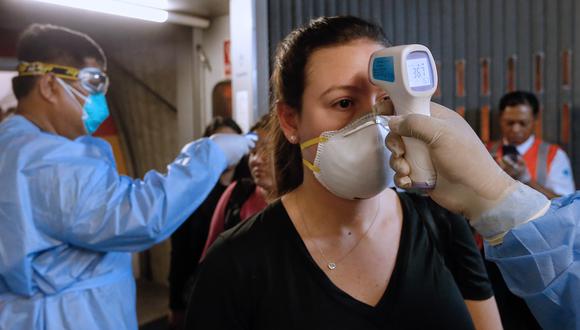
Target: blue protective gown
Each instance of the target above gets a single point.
(68, 222)
(540, 261)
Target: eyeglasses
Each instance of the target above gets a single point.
(93, 80)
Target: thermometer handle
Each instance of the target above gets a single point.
(423, 175)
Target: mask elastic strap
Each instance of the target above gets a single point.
(311, 142)
(308, 144)
(71, 91)
(311, 166)
(79, 94)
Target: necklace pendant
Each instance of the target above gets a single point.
(331, 266)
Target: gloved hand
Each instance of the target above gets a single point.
(235, 146)
(468, 179)
(516, 169)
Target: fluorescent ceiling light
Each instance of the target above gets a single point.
(120, 8)
(161, 4)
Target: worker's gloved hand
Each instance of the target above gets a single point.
(468, 179)
(235, 146)
(516, 169)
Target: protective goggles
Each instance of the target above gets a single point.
(93, 80)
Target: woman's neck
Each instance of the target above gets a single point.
(328, 213)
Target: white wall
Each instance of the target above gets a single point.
(213, 45)
(7, 99)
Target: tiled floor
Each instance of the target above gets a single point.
(152, 305)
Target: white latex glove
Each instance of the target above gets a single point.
(468, 179)
(235, 146)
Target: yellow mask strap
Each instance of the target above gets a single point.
(311, 166)
(39, 68)
(309, 143)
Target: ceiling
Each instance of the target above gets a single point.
(205, 8)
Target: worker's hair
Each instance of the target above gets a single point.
(53, 45)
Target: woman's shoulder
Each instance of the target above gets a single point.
(422, 205)
(441, 224)
(260, 233)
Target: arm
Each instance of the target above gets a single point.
(540, 261)
(484, 313)
(86, 203)
(539, 258)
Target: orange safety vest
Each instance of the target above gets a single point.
(538, 158)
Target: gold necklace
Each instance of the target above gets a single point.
(332, 265)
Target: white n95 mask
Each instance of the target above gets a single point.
(353, 162)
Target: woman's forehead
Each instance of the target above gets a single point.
(340, 63)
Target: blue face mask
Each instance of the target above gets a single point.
(95, 109)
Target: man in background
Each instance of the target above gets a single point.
(526, 158)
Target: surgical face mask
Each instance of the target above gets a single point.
(353, 162)
(95, 109)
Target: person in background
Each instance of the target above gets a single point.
(338, 249)
(68, 220)
(534, 241)
(247, 196)
(526, 158)
(188, 241)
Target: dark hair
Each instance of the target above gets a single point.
(218, 122)
(55, 45)
(518, 98)
(243, 169)
(288, 81)
(262, 123)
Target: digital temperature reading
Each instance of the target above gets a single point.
(418, 72)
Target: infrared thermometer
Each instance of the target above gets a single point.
(408, 74)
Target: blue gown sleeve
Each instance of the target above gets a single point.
(80, 199)
(540, 262)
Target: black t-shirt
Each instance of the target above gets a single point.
(259, 275)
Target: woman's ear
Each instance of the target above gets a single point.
(288, 117)
(48, 87)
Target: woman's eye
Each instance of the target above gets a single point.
(345, 103)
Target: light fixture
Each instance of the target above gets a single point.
(159, 4)
(112, 7)
(149, 10)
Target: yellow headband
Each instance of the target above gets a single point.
(39, 68)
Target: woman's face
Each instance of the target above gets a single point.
(259, 165)
(337, 89)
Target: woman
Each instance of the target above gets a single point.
(338, 250)
(247, 196)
